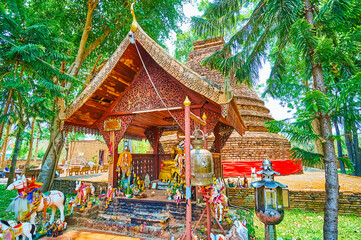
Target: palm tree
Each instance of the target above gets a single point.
(311, 29)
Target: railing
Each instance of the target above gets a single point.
(145, 164)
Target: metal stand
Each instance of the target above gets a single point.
(209, 222)
(270, 232)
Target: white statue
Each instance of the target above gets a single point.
(237, 232)
(55, 199)
(254, 175)
(147, 181)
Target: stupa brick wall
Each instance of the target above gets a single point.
(257, 143)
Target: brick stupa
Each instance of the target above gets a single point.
(257, 144)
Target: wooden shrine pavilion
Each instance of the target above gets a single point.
(140, 93)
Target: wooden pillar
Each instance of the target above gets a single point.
(187, 148)
(156, 152)
(115, 174)
(112, 166)
(217, 138)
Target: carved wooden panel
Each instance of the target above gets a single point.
(149, 133)
(126, 120)
(212, 119)
(142, 96)
(225, 132)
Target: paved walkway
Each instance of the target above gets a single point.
(312, 179)
(78, 234)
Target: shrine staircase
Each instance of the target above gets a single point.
(144, 218)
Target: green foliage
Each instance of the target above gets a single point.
(300, 132)
(5, 200)
(183, 45)
(316, 102)
(347, 163)
(310, 159)
(303, 37)
(249, 215)
(158, 18)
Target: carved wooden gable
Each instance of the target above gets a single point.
(142, 96)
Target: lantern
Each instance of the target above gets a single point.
(269, 196)
(201, 163)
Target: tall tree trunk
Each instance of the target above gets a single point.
(30, 153)
(15, 154)
(52, 155)
(5, 146)
(6, 110)
(56, 144)
(330, 230)
(37, 144)
(355, 147)
(349, 145)
(339, 147)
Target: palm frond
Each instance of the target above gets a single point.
(300, 133)
(347, 163)
(303, 37)
(310, 159)
(316, 101)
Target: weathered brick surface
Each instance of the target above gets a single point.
(121, 206)
(68, 186)
(310, 200)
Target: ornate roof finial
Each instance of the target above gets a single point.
(134, 25)
(187, 102)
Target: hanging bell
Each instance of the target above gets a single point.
(201, 163)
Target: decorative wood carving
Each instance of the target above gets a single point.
(98, 79)
(80, 129)
(142, 96)
(186, 76)
(149, 133)
(112, 125)
(225, 132)
(212, 119)
(126, 120)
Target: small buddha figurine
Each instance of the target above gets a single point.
(140, 184)
(245, 181)
(147, 181)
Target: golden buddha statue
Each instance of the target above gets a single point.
(173, 167)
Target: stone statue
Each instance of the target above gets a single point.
(147, 181)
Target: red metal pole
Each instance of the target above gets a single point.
(187, 148)
(209, 223)
(208, 205)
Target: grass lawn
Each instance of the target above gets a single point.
(299, 224)
(5, 199)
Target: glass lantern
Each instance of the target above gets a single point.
(269, 196)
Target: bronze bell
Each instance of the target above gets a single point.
(201, 164)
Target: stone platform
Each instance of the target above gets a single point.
(153, 216)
